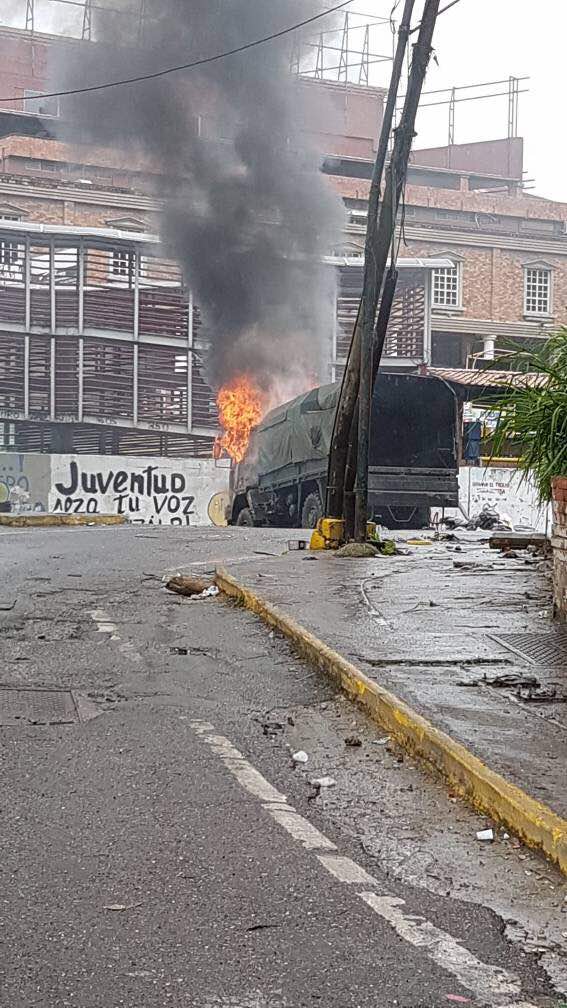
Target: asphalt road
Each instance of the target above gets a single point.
(164, 850)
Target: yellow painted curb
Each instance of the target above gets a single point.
(487, 790)
(48, 520)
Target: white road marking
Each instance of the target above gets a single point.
(105, 625)
(491, 985)
(245, 773)
(346, 870)
(253, 781)
(301, 829)
(483, 980)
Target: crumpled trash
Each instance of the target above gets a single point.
(300, 756)
(485, 834)
(323, 782)
(209, 592)
(489, 519)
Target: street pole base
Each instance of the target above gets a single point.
(330, 534)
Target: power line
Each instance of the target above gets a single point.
(185, 66)
(442, 11)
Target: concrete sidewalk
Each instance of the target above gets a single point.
(439, 628)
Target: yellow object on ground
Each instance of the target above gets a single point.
(465, 773)
(330, 533)
(36, 519)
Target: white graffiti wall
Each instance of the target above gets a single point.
(505, 490)
(146, 491)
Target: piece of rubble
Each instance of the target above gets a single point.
(185, 585)
(357, 551)
(271, 728)
(300, 756)
(323, 782)
(354, 741)
(485, 834)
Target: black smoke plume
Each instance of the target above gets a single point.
(249, 214)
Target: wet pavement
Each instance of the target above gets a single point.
(162, 847)
(442, 628)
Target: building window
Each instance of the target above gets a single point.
(121, 263)
(446, 287)
(537, 291)
(38, 104)
(9, 253)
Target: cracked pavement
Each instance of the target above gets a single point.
(139, 870)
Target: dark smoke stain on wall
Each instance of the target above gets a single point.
(248, 213)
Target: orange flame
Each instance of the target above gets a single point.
(240, 406)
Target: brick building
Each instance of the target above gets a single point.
(508, 278)
(486, 262)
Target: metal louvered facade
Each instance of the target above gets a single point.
(98, 331)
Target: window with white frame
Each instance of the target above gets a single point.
(120, 263)
(9, 253)
(446, 287)
(537, 290)
(39, 104)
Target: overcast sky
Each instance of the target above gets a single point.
(477, 40)
(488, 40)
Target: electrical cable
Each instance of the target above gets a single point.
(184, 66)
(442, 11)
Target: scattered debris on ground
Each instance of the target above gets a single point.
(192, 586)
(272, 728)
(485, 835)
(357, 551)
(323, 782)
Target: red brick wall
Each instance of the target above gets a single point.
(461, 199)
(74, 212)
(23, 65)
(493, 279)
(559, 542)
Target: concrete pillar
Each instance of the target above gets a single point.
(488, 349)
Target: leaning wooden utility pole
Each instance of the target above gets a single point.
(379, 237)
(396, 177)
(349, 391)
(347, 468)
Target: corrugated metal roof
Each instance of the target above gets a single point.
(488, 378)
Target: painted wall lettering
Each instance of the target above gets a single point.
(156, 492)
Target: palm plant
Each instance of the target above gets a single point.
(533, 414)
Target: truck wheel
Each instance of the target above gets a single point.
(245, 517)
(311, 511)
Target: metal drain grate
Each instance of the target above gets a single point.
(20, 707)
(539, 649)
